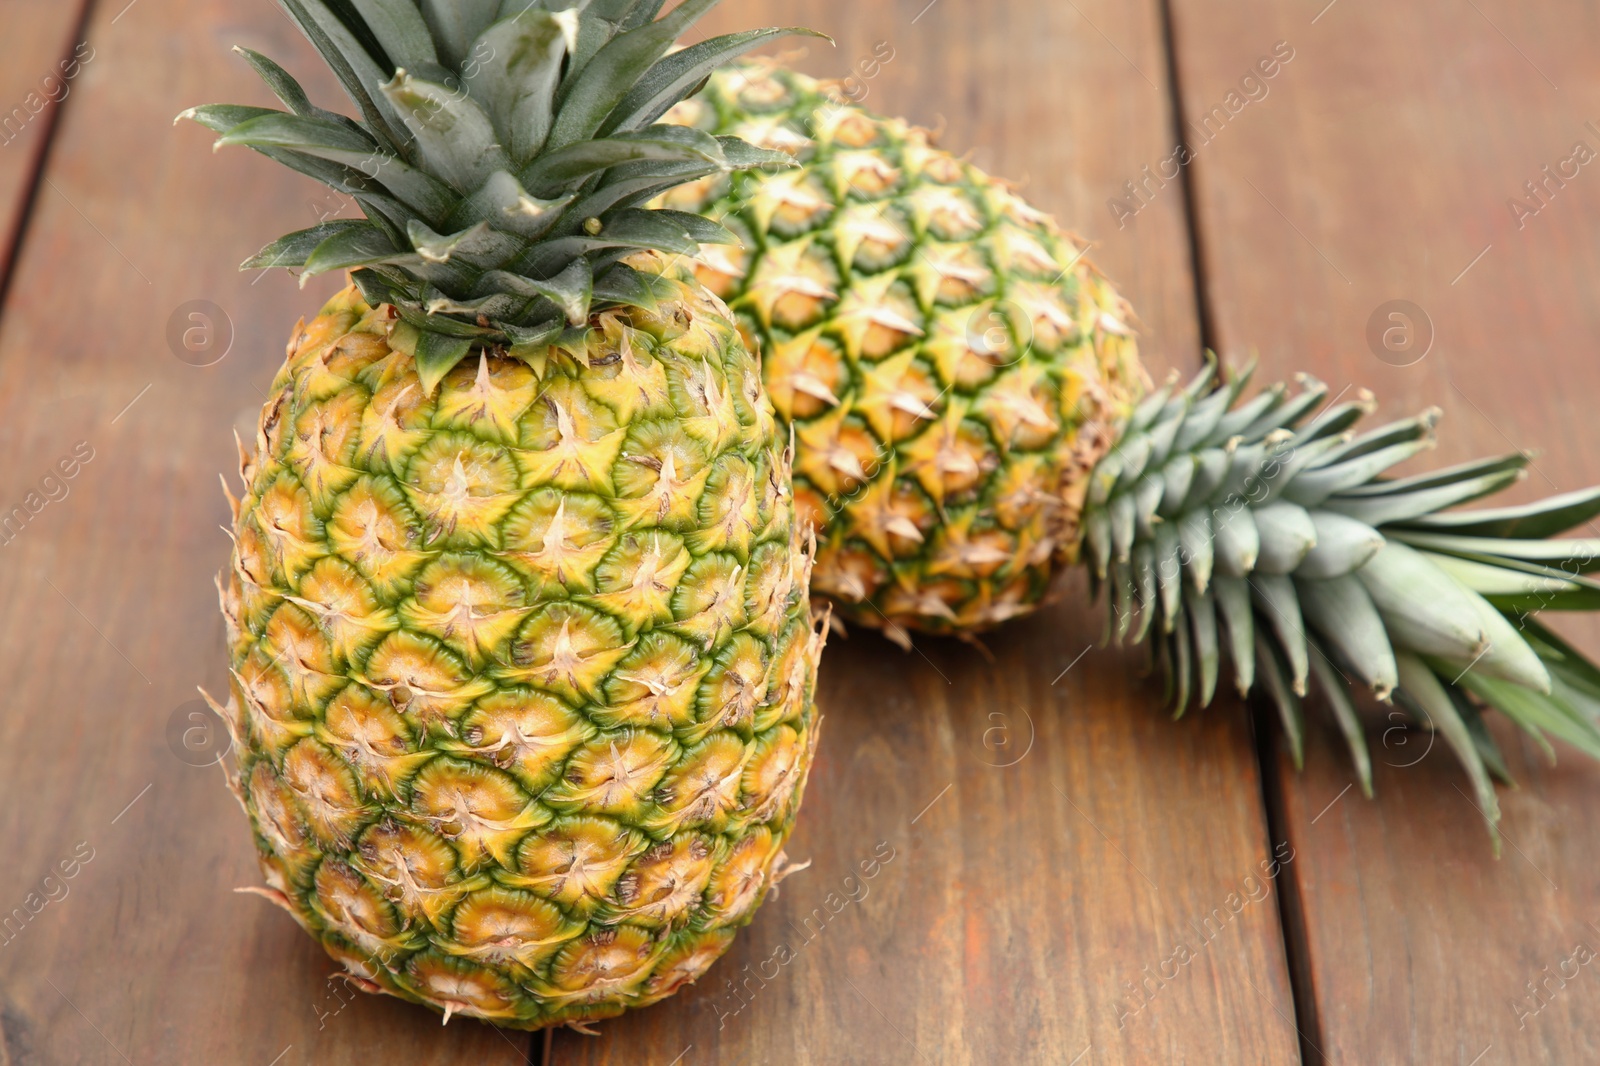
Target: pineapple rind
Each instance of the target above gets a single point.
(952, 364)
(518, 742)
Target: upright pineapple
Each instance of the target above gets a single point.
(967, 405)
(522, 656)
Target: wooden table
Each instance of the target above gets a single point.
(1055, 840)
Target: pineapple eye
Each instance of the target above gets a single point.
(592, 226)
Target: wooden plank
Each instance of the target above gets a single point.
(145, 954)
(1379, 168)
(44, 65)
(1023, 903)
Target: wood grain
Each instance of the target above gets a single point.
(111, 619)
(1379, 168)
(1024, 902)
(38, 40)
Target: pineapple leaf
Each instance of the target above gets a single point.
(1343, 614)
(641, 11)
(1284, 697)
(617, 11)
(1435, 479)
(1296, 408)
(1250, 420)
(531, 343)
(1535, 710)
(1182, 667)
(485, 192)
(589, 99)
(350, 246)
(678, 74)
(1402, 431)
(1493, 759)
(1332, 475)
(1520, 587)
(1578, 556)
(1169, 570)
(385, 212)
(516, 81)
(1506, 655)
(400, 31)
(575, 162)
(593, 31)
(1343, 545)
(1425, 693)
(1233, 599)
(1398, 507)
(479, 245)
(700, 229)
(1196, 545)
(277, 129)
(1331, 424)
(1237, 540)
(220, 118)
(282, 84)
(336, 176)
(624, 189)
(1097, 538)
(1275, 592)
(455, 24)
(453, 136)
(624, 285)
(1337, 691)
(437, 355)
(1202, 612)
(1204, 414)
(288, 90)
(1563, 660)
(1424, 610)
(572, 290)
(354, 65)
(1534, 521)
(293, 249)
(505, 204)
(331, 141)
(496, 305)
(628, 229)
(1144, 576)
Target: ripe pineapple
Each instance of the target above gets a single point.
(971, 417)
(952, 364)
(522, 655)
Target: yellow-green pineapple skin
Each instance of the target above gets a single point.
(522, 671)
(950, 361)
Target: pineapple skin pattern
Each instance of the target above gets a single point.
(522, 671)
(952, 365)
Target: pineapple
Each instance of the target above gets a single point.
(951, 363)
(971, 418)
(522, 659)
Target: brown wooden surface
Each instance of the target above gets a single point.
(1390, 145)
(1054, 841)
(39, 36)
(1022, 900)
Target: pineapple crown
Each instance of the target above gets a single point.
(1265, 532)
(504, 152)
